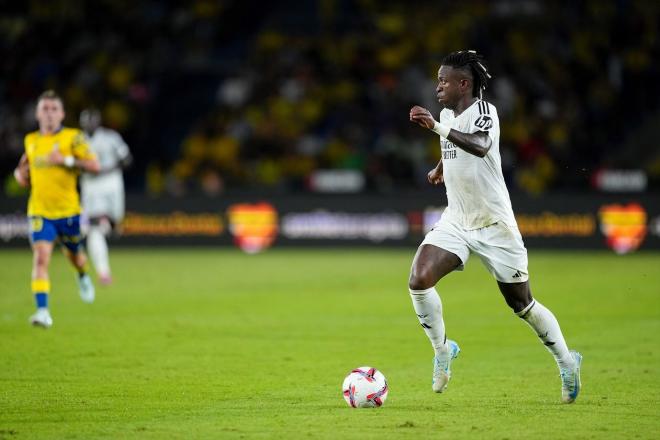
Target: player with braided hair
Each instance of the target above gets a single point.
(479, 219)
(472, 61)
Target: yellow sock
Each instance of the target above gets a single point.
(41, 289)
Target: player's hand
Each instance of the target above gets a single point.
(22, 175)
(436, 176)
(22, 172)
(422, 116)
(55, 158)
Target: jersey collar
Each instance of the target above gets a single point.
(60, 128)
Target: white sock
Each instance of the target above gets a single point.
(544, 323)
(428, 308)
(98, 250)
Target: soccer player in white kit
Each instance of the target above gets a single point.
(103, 193)
(478, 219)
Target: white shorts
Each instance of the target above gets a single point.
(104, 204)
(499, 246)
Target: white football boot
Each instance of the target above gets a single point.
(41, 318)
(570, 379)
(441, 370)
(86, 288)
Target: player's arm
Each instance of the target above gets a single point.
(474, 143)
(126, 161)
(436, 175)
(477, 143)
(81, 158)
(122, 164)
(22, 172)
(122, 153)
(89, 164)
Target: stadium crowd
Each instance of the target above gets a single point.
(211, 96)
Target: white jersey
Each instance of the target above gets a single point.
(476, 193)
(103, 194)
(110, 149)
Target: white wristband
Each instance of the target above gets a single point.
(69, 161)
(441, 129)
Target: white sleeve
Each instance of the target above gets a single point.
(483, 117)
(120, 147)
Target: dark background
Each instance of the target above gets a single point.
(221, 96)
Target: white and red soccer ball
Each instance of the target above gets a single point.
(365, 387)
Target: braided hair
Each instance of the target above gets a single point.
(470, 59)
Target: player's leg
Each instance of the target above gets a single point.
(42, 251)
(99, 229)
(69, 233)
(519, 297)
(42, 236)
(431, 263)
(437, 256)
(544, 323)
(502, 251)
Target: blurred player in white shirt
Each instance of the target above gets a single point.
(103, 193)
(478, 220)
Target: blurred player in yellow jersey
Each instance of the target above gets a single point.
(54, 158)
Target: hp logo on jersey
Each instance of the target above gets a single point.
(484, 122)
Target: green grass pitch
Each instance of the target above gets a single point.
(218, 344)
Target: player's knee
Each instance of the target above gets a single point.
(421, 279)
(41, 259)
(519, 301)
(518, 304)
(102, 225)
(79, 258)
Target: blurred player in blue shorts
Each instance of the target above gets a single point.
(53, 159)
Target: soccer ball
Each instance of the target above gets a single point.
(365, 387)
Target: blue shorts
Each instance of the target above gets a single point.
(67, 230)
